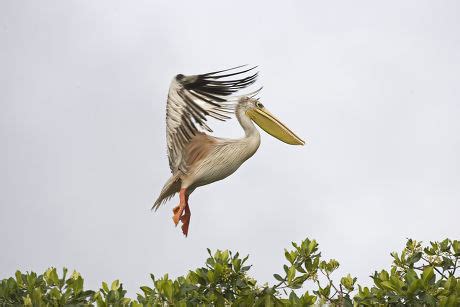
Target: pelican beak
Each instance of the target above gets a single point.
(273, 126)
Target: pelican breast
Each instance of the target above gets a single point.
(209, 159)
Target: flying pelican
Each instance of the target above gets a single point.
(196, 158)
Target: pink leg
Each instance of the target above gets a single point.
(185, 219)
(182, 212)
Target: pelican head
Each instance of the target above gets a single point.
(258, 113)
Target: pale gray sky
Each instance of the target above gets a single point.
(373, 86)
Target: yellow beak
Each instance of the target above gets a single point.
(273, 126)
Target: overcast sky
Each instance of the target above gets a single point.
(373, 87)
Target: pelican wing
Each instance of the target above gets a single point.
(191, 99)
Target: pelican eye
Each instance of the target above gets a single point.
(259, 105)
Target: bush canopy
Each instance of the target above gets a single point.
(419, 276)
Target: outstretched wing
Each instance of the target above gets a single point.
(192, 98)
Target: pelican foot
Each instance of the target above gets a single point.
(177, 214)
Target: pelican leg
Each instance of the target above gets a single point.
(179, 208)
(185, 219)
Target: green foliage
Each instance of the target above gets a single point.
(222, 281)
(419, 276)
(47, 289)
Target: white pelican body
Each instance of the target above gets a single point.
(225, 156)
(198, 159)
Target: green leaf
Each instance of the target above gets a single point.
(325, 291)
(312, 246)
(456, 247)
(211, 276)
(19, 280)
(237, 264)
(348, 282)
(245, 268)
(428, 275)
(291, 274)
(115, 285)
(51, 277)
(389, 285)
(27, 301)
(105, 286)
(445, 245)
(286, 268)
(307, 299)
(414, 285)
(225, 255)
(414, 258)
(290, 256)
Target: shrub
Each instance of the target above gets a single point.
(419, 276)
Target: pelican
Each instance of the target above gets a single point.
(196, 158)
